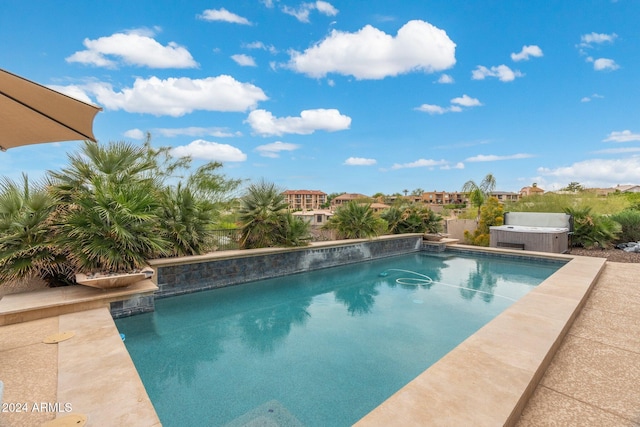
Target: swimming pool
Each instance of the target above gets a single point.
(321, 348)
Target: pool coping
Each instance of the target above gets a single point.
(488, 379)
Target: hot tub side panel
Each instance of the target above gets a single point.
(554, 242)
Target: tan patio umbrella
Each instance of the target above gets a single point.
(31, 114)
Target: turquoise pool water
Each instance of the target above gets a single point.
(321, 348)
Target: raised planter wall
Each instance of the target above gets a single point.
(192, 274)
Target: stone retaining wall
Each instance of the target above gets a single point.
(186, 275)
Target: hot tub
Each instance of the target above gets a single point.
(539, 239)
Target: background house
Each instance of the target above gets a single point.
(305, 199)
(529, 191)
(336, 202)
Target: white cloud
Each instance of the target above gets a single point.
(494, 158)
(458, 165)
(598, 172)
(445, 79)
(602, 64)
(502, 72)
(244, 60)
(432, 109)
(212, 151)
(195, 131)
(134, 134)
(303, 11)
(619, 150)
(589, 98)
(326, 8)
(588, 40)
(223, 15)
(466, 101)
(455, 107)
(273, 150)
(179, 96)
(133, 48)
(359, 161)
(330, 120)
(526, 53)
(623, 136)
(420, 163)
(372, 54)
(260, 45)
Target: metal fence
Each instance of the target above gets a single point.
(226, 239)
(229, 238)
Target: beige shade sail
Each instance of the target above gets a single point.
(32, 114)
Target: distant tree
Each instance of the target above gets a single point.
(574, 187)
(405, 191)
(417, 192)
(379, 197)
(479, 193)
(330, 197)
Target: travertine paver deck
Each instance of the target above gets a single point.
(594, 378)
(90, 374)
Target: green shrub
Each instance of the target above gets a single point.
(554, 202)
(591, 229)
(491, 214)
(629, 220)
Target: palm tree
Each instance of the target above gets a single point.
(412, 218)
(478, 194)
(266, 221)
(113, 227)
(591, 229)
(119, 162)
(189, 210)
(185, 220)
(27, 246)
(356, 221)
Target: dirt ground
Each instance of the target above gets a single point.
(613, 255)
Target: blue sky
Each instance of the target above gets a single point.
(367, 97)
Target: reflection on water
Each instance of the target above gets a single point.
(481, 282)
(312, 341)
(264, 329)
(359, 300)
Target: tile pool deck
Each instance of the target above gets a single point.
(591, 381)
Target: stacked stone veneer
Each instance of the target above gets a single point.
(136, 305)
(184, 277)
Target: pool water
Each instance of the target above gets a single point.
(321, 348)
